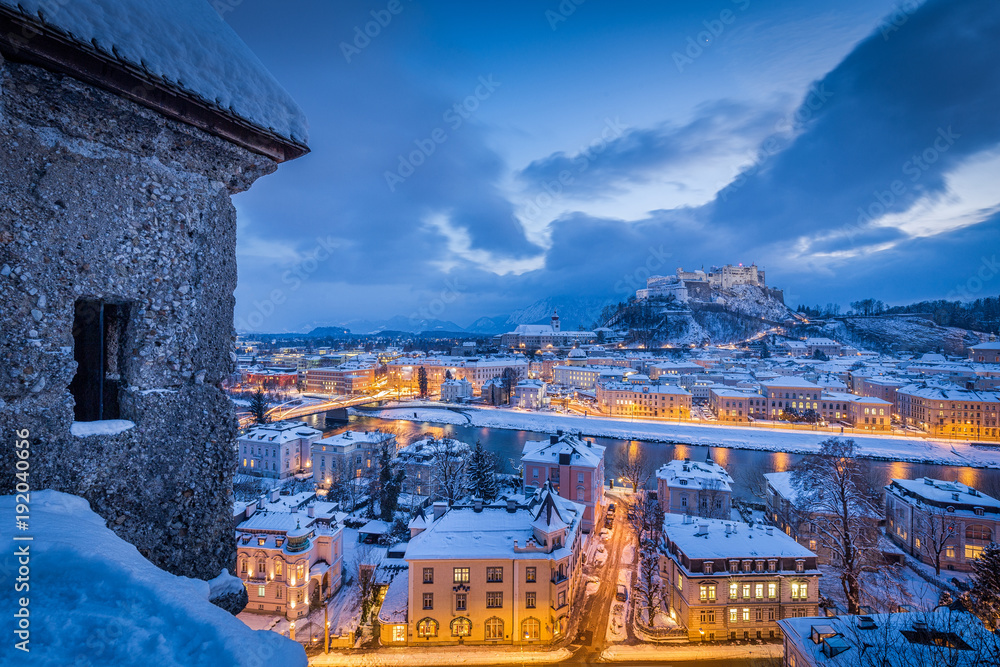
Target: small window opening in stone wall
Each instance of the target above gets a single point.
(99, 349)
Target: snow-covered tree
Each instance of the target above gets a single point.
(449, 476)
(483, 481)
(832, 489)
(986, 586)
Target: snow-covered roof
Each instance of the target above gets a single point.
(695, 474)
(182, 46)
(701, 538)
(279, 432)
(580, 452)
(899, 640)
(781, 482)
(790, 381)
(171, 614)
(994, 345)
(396, 600)
(491, 533)
(948, 394)
(944, 492)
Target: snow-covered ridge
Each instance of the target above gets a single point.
(183, 43)
(95, 600)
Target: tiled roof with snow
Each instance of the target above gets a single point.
(396, 601)
(182, 44)
(790, 381)
(943, 491)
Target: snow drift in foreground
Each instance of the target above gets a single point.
(94, 600)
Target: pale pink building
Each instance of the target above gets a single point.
(574, 466)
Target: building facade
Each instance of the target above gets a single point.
(345, 456)
(279, 450)
(697, 488)
(504, 573)
(951, 413)
(933, 519)
(290, 561)
(728, 580)
(574, 467)
(348, 379)
(627, 399)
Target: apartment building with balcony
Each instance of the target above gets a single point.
(289, 560)
(501, 573)
(729, 580)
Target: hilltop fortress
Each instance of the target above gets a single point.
(701, 286)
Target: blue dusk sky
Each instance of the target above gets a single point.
(469, 158)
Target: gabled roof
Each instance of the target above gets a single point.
(547, 516)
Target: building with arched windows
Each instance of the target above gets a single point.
(290, 560)
(500, 573)
(941, 523)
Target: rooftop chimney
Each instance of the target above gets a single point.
(553, 439)
(311, 511)
(511, 505)
(275, 494)
(477, 505)
(440, 507)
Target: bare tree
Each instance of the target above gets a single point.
(936, 533)
(831, 488)
(365, 563)
(633, 464)
(449, 475)
(713, 500)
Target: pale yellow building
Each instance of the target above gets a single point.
(730, 580)
(289, 560)
(503, 573)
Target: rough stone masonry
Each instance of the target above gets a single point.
(101, 198)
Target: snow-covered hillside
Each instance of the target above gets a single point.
(891, 334)
(94, 600)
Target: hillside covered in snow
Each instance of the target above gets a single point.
(900, 333)
(94, 600)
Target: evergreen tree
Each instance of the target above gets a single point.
(483, 475)
(259, 407)
(986, 586)
(422, 381)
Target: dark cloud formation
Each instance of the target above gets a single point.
(392, 151)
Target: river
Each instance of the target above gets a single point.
(744, 465)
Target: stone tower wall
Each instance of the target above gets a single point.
(102, 198)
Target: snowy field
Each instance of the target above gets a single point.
(889, 447)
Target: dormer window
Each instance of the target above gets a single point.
(261, 540)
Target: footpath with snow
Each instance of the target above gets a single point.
(887, 447)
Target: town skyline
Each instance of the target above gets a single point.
(777, 144)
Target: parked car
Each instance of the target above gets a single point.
(622, 594)
(611, 508)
